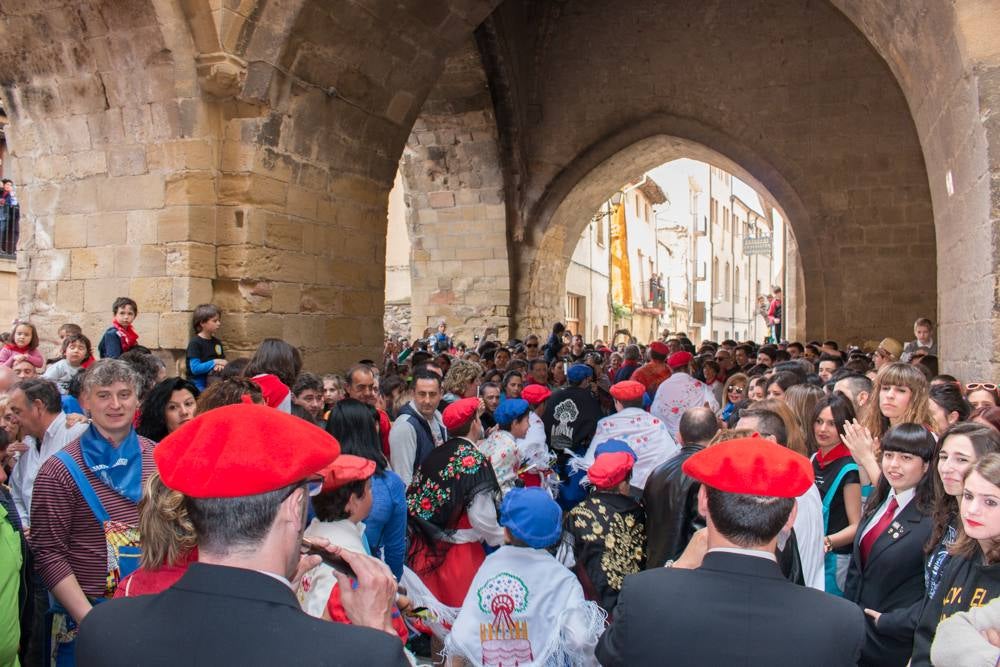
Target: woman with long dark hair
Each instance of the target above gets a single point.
(947, 406)
(886, 574)
(168, 405)
(355, 425)
(839, 486)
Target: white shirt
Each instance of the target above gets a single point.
(22, 477)
(403, 442)
(677, 394)
(809, 537)
(756, 553)
(645, 434)
(903, 499)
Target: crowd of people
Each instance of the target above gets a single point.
(544, 501)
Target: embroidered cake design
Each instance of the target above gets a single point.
(504, 640)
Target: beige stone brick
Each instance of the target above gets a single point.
(186, 223)
(126, 160)
(174, 330)
(49, 265)
(76, 197)
(152, 294)
(141, 227)
(143, 260)
(286, 298)
(100, 293)
(190, 188)
(190, 259)
(88, 163)
(147, 325)
(188, 293)
(70, 231)
(131, 193)
(195, 154)
(88, 263)
(106, 229)
(69, 296)
(236, 156)
(281, 231)
(302, 203)
(441, 199)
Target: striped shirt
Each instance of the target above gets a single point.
(65, 536)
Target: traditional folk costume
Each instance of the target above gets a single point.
(605, 535)
(524, 607)
(117, 340)
(318, 592)
(452, 510)
(536, 457)
(570, 418)
(645, 434)
(500, 447)
(679, 393)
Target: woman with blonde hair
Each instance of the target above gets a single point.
(169, 543)
(462, 381)
(901, 395)
(734, 392)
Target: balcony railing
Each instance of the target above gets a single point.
(654, 294)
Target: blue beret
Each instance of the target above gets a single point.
(531, 516)
(612, 446)
(510, 410)
(579, 373)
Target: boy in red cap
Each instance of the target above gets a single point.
(452, 508)
(604, 536)
(538, 458)
(341, 506)
(735, 608)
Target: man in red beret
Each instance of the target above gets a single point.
(247, 473)
(654, 371)
(679, 392)
(645, 434)
(734, 606)
(452, 508)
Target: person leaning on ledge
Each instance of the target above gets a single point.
(735, 608)
(247, 472)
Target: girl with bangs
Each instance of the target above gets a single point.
(972, 578)
(886, 574)
(901, 394)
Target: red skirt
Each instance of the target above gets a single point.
(450, 579)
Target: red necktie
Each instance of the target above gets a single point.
(868, 541)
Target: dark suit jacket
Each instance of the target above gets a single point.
(733, 610)
(671, 501)
(892, 582)
(219, 615)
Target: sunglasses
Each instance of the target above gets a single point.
(973, 386)
(736, 390)
(531, 345)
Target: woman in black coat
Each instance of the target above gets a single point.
(886, 574)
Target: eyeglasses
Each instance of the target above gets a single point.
(313, 485)
(973, 386)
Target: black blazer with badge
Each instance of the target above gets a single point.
(891, 582)
(734, 610)
(219, 615)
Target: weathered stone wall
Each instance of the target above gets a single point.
(801, 102)
(455, 202)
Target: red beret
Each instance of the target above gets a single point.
(459, 413)
(273, 389)
(610, 469)
(535, 394)
(752, 466)
(242, 450)
(346, 469)
(628, 390)
(678, 359)
(659, 347)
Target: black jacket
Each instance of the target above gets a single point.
(671, 501)
(892, 583)
(219, 615)
(735, 610)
